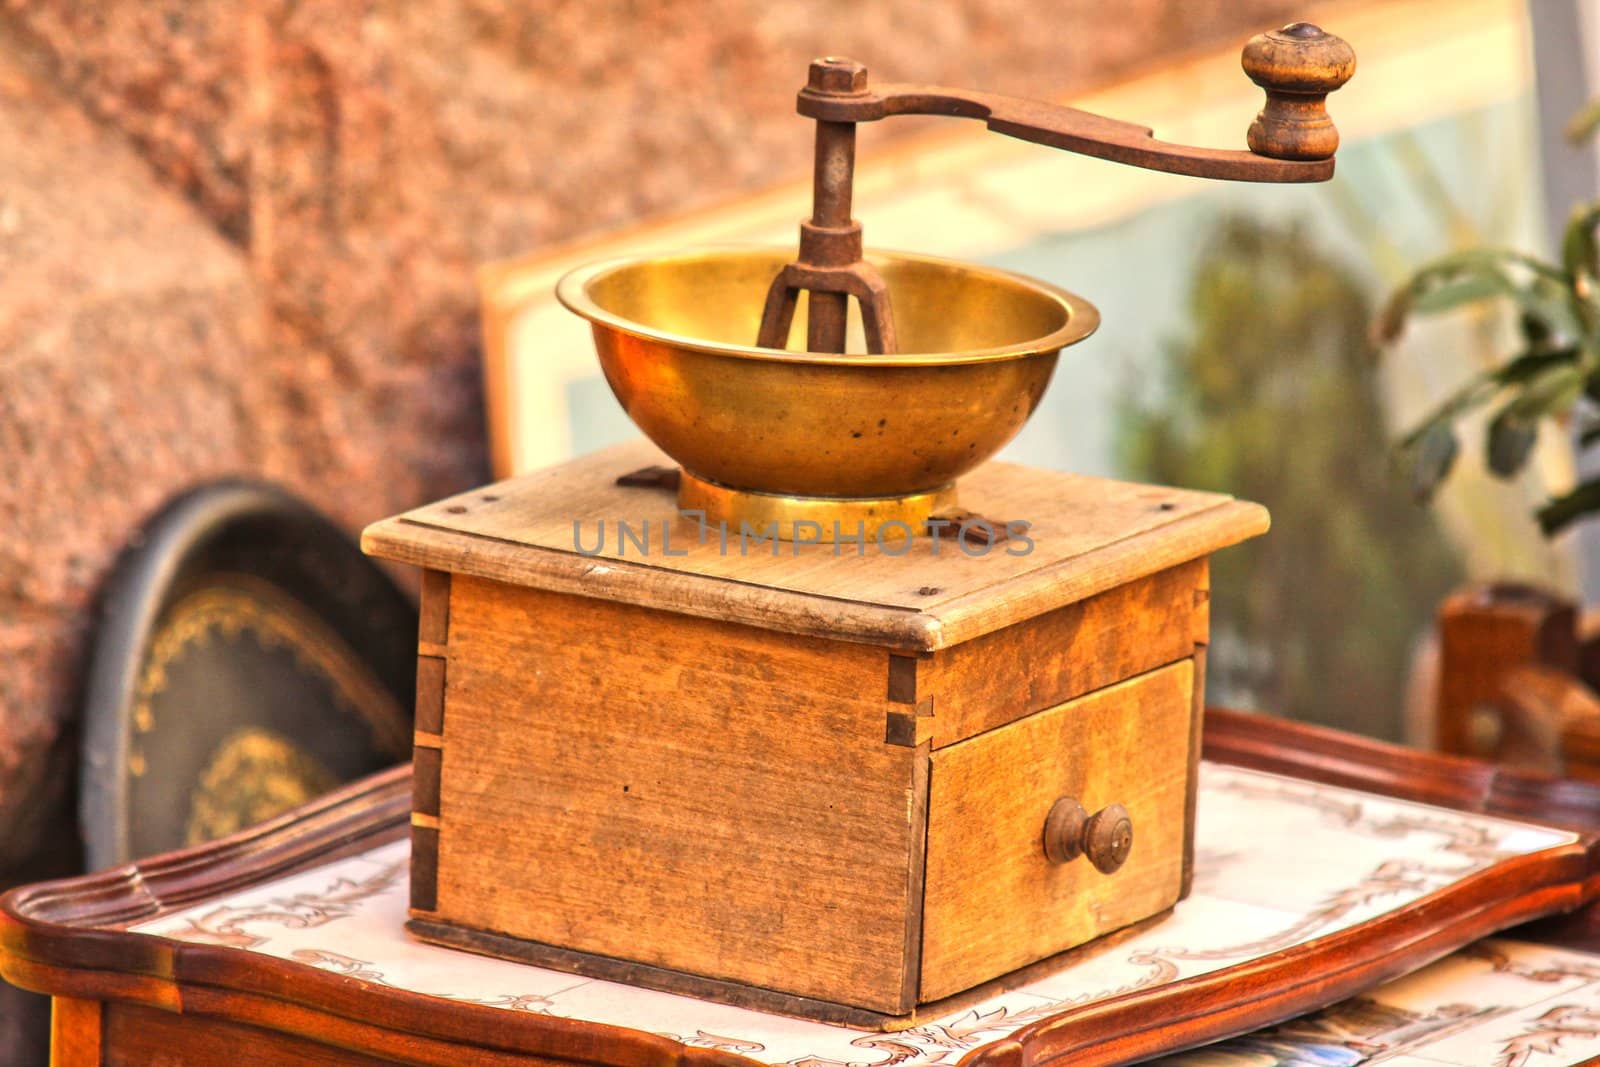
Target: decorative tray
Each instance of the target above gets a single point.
(1327, 866)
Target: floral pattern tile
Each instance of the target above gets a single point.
(1279, 861)
(1498, 1003)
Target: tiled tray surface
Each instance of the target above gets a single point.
(1500, 1002)
(1280, 862)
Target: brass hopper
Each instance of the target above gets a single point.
(705, 349)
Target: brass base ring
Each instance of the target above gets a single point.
(813, 519)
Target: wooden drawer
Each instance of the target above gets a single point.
(993, 901)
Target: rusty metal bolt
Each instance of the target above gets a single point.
(837, 76)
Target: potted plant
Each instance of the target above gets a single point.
(1553, 368)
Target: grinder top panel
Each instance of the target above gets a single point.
(562, 529)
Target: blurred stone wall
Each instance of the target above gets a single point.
(240, 237)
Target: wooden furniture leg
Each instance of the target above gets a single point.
(74, 1032)
(1512, 686)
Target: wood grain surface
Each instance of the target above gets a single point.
(994, 902)
(604, 762)
(1485, 632)
(136, 1036)
(558, 798)
(1064, 653)
(75, 1032)
(1088, 535)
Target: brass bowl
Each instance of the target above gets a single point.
(765, 433)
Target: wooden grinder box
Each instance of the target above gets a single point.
(815, 778)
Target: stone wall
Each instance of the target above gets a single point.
(239, 237)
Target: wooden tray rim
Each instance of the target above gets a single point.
(69, 937)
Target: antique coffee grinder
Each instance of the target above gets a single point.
(813, 709)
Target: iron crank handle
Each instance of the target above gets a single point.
(1292, 139)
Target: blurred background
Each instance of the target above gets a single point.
(311, 243)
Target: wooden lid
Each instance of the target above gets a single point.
(1087, 535)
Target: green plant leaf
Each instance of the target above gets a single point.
(1584, 123)
(1432, 458)
(1548, 315)
(1509, 443)
(1497, 258)
(1550, 394)
(1535, 329)
(1482, 388)
(1469, 276)
(1478, 391)
(1468, 288)
(1577, 240)
(1581, 258)
(1560, 512)
(1529, 365)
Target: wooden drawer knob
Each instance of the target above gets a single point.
(1106, 837)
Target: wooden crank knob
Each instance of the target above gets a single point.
(1298, 66)
(1106, 837)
